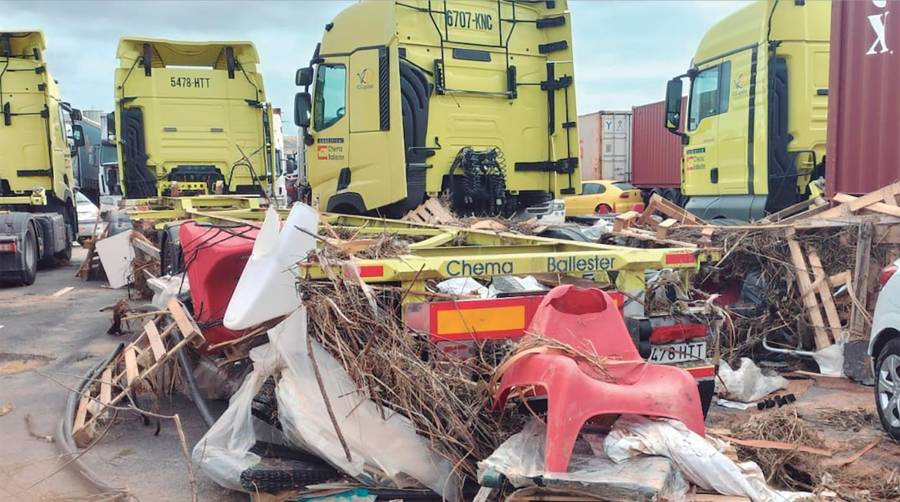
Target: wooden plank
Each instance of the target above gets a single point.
(62, 291)
(144, 246)
(156, 343)
(834, 320)
(878, 207)
(858, 203)
(106, 386)
(81, 414)
(776, 445)
(861, 277)
(131, 367)
(671, 210)
(792, 210)
(662, 230)
(185, 324)
(647, 214)
(625, 220)
(809, 301)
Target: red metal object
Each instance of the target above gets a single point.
(679, 258)
(886, 274)
(863, 97)
(215, 258)
(7, 247)
(655, 152)
(677, 333)
(576, 392)
(456, 326)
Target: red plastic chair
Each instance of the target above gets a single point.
(588, 320)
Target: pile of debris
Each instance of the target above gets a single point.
(787, 281)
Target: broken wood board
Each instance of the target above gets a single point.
(135, 364)
(807, 294)
(432, 212)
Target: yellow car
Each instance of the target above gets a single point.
(604, 197)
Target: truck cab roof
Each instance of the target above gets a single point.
(179, 53)
(17, 43)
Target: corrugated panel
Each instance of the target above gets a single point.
(615, 144)
(655, 152)
(863, 152)
(589, 145)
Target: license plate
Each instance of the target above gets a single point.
(678, 352)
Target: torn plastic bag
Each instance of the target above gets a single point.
(699, 460)
(747, 384)
(462, 286)
(383, 451)
(267, 287)
(521, 460)
(167, 287)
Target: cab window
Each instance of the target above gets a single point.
(330, 97)
(592, 189)
(709, 94)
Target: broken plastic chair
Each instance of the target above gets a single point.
(267, 287)
(577, 391)
(215, 258)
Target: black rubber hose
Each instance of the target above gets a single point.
(199, 400)
(64, 431)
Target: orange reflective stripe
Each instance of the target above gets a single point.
(479, 320)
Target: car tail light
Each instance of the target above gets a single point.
(886, 274)
(7, 247)
(624, 195)
(677, 332)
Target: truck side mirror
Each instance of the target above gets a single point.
(75, 114)
(304, 76)
(110, 125)
(78, 135)
(302, 106)
(673, 105)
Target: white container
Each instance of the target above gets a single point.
(605, 145)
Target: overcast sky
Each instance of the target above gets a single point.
(624, 50)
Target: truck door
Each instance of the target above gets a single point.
(376, 162)
(735, 162)
(701, 156)
(328, 155)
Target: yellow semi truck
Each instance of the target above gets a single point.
(38, 220)
(754, 136)
(472, 100)
(191, 118)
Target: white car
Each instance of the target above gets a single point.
(88, 214)
(884, 347)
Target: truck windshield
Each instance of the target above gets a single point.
(330, 95)
(709, 94)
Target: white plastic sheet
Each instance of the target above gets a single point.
(384, 451)
(267, 287)
(746, 384)
(521, 460)
(699, 460)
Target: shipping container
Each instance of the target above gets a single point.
(655, 152)
(863, 152)
(605, 145)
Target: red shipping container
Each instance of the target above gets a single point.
(655, 152)
(863, 152)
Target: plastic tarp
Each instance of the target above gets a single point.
(699, 460)
(267, 287)
(521, 460)
(384, 449)
(747, 384)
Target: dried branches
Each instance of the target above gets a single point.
(447, 398)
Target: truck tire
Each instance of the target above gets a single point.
(65, 255)
(29, 257)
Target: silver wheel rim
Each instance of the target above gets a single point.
(889, 389)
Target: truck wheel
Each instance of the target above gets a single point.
(887, 387)
(29, 256)
(65, 255)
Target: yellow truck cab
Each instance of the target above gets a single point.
(474, 100)
(191, 115)
(757, 109)
(38, 220)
